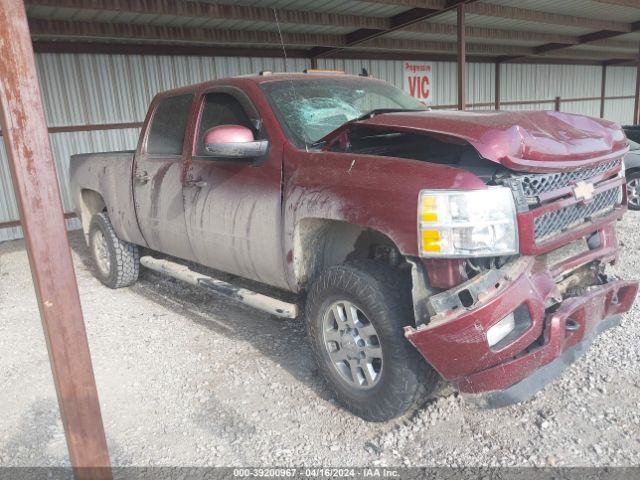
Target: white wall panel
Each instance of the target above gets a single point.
(480, 77)
(81, 89)
(539, 82)
(587, 107)
(620, 111)
(621, 81)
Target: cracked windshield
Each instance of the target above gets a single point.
(310, 109)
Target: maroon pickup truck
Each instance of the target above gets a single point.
(467, 246)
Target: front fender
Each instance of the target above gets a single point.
(378, 193)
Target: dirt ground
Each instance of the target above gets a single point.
(187, 378)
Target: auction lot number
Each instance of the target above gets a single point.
(293, 472)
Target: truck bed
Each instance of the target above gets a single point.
(106, 175)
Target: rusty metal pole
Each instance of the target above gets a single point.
(36, 186)
(603, 90)
(497, 86)
(462, 71)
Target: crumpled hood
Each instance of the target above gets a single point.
(535, 141)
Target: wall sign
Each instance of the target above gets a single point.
(417, 80)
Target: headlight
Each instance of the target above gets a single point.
(474, 223)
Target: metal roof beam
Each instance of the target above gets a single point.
(591, 54)
(442, 47)
(587, 38)
(536, 16)
(396, 22)
(618, 62)
(119, 32)
(621, 3)
(599, 36)
(368, 27)
(101, 47)
(196, 9)
(59, 29)
(156, 48)
(434, 4)
(430, 28)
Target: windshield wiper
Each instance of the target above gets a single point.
(370, 114)
(379, 111)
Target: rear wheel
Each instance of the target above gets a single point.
(633, 190)
(117, 262)
(355, 315)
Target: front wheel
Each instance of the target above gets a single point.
(633, 190)
(355, 317)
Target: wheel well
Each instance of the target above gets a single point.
(90, 204)
(321, 243)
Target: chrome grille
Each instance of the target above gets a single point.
(535, 184)
(563, 219)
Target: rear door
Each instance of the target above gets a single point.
(158, 176)
(233, 207)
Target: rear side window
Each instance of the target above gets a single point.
(169, 124)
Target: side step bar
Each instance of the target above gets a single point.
(256, 300)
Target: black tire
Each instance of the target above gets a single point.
(633, 190)
(383, 295)
(123, 257)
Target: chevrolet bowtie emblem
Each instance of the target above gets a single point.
(583, 191)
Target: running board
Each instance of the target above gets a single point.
(256, 300)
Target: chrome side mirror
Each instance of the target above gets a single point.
(233, 141)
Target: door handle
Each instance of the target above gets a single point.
(196, 183)
(142, 177)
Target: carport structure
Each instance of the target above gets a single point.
(589, 32)
(602, 33)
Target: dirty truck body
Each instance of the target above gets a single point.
(478, 239)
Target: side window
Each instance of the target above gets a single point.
(169, 124)
(221, 109)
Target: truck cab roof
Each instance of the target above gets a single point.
(267, 77)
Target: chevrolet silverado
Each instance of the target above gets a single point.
(422, 245)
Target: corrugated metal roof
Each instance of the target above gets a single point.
(508, 24)
(605, 48)
(76, 14)
(631, 37)
(568, 19)
(335, 6)
(400, 34)
(581, 8)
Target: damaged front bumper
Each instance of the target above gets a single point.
(555, 320)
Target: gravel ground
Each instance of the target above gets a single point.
(191, 379)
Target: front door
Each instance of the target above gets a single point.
(158, 176)
(233, 207)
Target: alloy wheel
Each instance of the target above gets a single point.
(353, 345)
